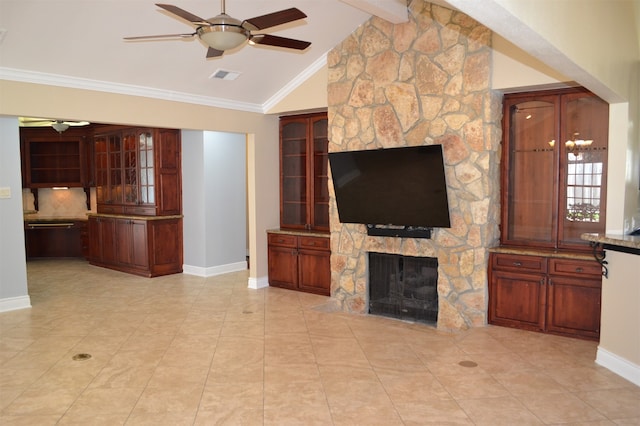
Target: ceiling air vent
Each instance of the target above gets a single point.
(225, 74)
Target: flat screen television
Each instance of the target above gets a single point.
(403, 187)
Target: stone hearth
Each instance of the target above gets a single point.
(423, 82)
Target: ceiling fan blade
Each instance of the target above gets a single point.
(275, 18)
(213, 53)
(151, 37)
(194, 19)
(272, 40)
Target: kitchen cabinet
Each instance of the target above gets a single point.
(543, 293)
(137, 171)
(140, 245)
(304, 191)
(300, 261)
(55, 238)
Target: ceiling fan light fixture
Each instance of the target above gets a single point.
(223, 35)
(60, 126)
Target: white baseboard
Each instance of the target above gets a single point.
(618, 365)
(15, 303)
(214, 270)
(258, 283)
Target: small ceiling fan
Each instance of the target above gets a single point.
(58, 125)
(223, 32)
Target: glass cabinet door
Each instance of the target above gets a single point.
(320, 208)
(145, 151)
(530, 183)
(101, 168)
(583, 167)
(293, 174)
(130, 170)
(554, 168)
(114, 191)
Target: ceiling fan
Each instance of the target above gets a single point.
(223, 32)
(58, 125)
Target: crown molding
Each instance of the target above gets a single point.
(35, 77)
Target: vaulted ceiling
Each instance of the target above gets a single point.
(79, 43)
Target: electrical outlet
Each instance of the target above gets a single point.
(5, 192)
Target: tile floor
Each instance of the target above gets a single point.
(185, 350)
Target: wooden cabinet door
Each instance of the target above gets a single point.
(517, 300)
(574, 306)
(315, 271)
(283, 266)
(167, 194)
(107, 238)
(139, 257)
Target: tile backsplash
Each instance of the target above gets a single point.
(63, 203)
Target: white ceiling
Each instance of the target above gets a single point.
(78, 43)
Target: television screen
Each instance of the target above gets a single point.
(396, 186)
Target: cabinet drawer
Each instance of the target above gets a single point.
(318, 243)
(514, 262)
(575, 268)
(140, 210)
(282, 240)
(110, 209)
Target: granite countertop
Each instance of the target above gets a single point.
(34, 218)
(300, 232)
(620, 240)
(137, 217)
(541, 252)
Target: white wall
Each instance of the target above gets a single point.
(214, 199)
(13, 272)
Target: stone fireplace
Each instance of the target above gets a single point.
(426, 81)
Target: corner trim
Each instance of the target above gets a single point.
(258, 283)
(622, 367)
(15, 303)
(214, 270)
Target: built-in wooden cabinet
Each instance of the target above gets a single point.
(138, 171)
(51, 159)
(299, 253)
(304, 191)
(542, 293)
(144, 246)
(300, 262)
(554, 169)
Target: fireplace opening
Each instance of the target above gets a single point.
(403, 287)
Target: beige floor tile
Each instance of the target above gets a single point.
(566, 408)
(191, 350)
(615, 404)
(472, 386)
(502, 411)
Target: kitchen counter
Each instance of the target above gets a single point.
(618, 242)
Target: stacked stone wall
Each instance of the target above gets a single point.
(423, 82)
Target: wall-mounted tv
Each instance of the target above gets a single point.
(403, 187)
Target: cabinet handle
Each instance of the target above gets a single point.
(281, 240)
(313, 243)
(579, 269)
(542, 281)
(517, 263)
